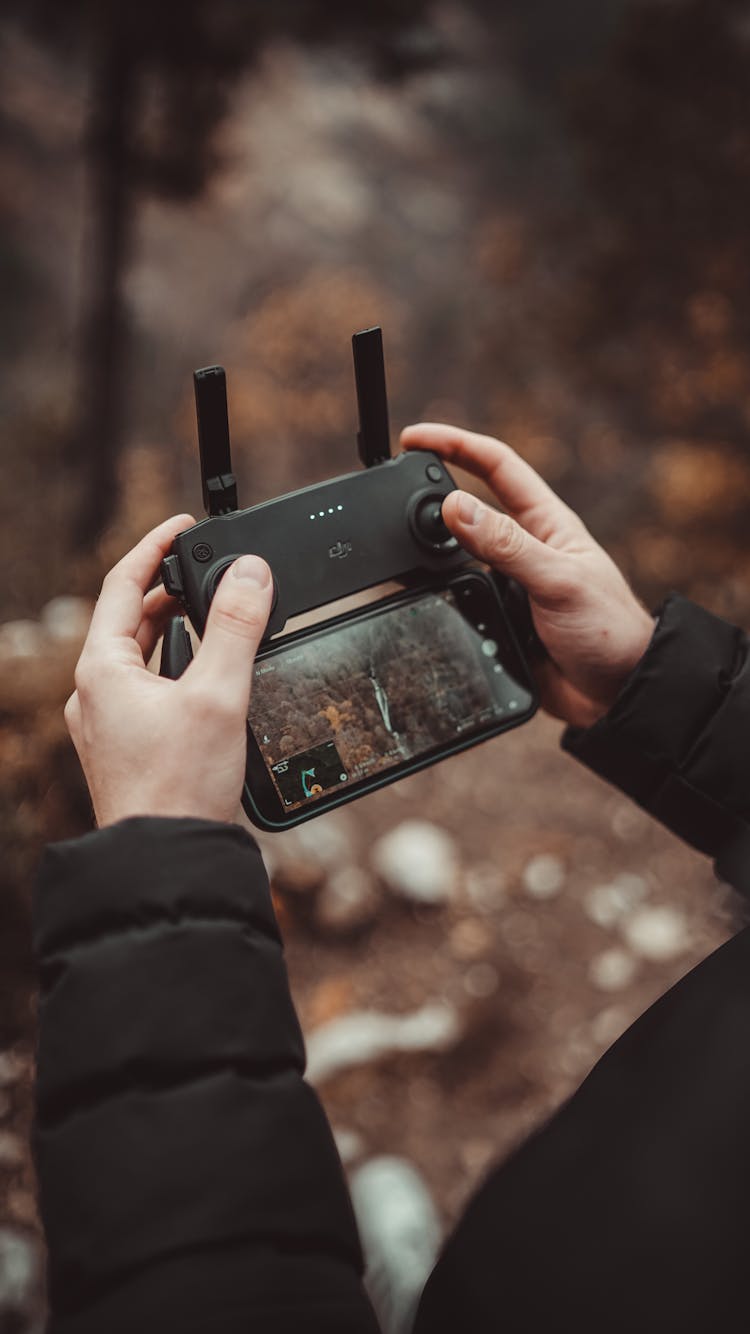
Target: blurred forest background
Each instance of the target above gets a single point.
(547, 208)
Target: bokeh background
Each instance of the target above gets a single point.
(547, 208)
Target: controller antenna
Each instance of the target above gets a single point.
(219, 485)
(373, 436)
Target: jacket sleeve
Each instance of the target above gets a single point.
(188, 1176)
(676, 737)
(628, 1209)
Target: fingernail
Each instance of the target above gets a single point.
(469, 508)
(253, 569)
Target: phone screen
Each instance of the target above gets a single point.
(376, 692)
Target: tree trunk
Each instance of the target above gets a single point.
(103, 341)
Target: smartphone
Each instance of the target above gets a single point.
(346, 706)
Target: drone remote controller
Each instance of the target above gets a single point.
(327, 541)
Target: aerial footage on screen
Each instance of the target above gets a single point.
(371, 694)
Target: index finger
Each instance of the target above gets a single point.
(119, 610)
(520, 490)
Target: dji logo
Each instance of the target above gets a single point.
(340, 549)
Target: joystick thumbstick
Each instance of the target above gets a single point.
(429, 525)
(221, 570)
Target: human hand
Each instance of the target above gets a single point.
(588, 618)
(148, 745)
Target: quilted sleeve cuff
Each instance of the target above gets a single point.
(671, 740)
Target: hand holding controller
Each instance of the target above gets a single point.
(150, 746)
(591, 623)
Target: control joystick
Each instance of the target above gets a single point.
(221, 570)
(428, 524)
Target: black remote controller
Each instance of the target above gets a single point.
(326, 541)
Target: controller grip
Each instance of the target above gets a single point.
(515, 600)
(176, 649)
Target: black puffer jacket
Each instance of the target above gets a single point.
(188, 1177)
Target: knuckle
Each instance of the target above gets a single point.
(84, 676)
(564, 591)
(500, 452)
(575, 522)
(204, 702)
(507, 539)
(91, 670)
(198, 690)
(248, 622)
(197, 695)
(480, 438)
(564, 588)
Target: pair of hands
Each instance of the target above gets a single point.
(150, 746)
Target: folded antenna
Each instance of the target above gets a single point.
(373, 436)
(219, 485)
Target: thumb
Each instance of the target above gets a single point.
(501, 542)
(235, 626)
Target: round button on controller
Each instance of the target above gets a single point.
(433, 472)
